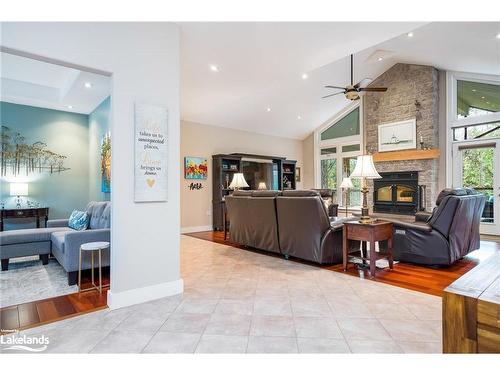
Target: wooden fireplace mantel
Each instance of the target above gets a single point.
(406, 155)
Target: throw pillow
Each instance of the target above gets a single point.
(78, 220)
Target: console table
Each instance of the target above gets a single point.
(23, 213)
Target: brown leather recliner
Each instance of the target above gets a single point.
(327, 196)
(305, 230)
(252, 215)
(450, 232)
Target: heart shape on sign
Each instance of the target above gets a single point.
(150, 182)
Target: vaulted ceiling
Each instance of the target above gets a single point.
(258, 85)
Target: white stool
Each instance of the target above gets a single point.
(92, 246)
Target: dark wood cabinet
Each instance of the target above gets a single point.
(223, 169)
(288, 178)
(224, 166)
(23, 213)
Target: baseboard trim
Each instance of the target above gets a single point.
(202, 228)
(145, 294)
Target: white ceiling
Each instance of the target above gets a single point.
(40, 84)
(260, 66)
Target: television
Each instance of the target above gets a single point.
(260, 174)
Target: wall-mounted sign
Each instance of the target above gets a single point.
(151, 153)
(195, 186)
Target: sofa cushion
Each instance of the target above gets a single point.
(100, 215)
(58, 240)
(300, 193)
(446, 192)
(29, 235)
(78, 220)
(242, 193)
(266, 193)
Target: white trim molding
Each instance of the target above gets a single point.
(202, 228)
(145, 294)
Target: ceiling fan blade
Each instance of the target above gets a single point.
(374, 89)
(335, 87)
(364, 82)
(327, 96)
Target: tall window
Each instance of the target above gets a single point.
(474, 140)
(337, 146)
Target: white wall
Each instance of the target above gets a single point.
(205, 141)
(144, 61)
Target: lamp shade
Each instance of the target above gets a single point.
(238, 181)
(262, 186)
(18, 189)
(365, 168)
(346, 183)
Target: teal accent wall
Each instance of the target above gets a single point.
(65, 133)
(99, 125)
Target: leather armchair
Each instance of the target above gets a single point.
(449, 233)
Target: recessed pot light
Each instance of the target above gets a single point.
(473, 90)
(70, 107)
(482, 97)
(88, 85)
(268, 109)
(305, 76)
(409, 35)
(299, 117)
(214, 68)
(498, 36)
(380, 59)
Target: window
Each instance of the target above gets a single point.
(345, 127)
(481, 131)
(338, 144)
(477, 99)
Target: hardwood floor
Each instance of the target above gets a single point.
(430, 280)
(32, 314)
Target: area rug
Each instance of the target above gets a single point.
(28, 280)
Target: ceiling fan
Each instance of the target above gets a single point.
(352, 91)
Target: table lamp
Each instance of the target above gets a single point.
(238, 182)
(365, 170)
(345, 186)
(19, 190)
(262, 186)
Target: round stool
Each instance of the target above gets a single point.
(92, 247)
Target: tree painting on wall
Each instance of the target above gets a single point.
(106, 163)
(195, 168)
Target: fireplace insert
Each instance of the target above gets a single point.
(397, 193)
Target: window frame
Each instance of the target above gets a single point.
(452, 120)
(338, 143)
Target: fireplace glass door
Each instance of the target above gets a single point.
(384, 194)
(405, 194)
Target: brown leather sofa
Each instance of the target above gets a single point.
(446, 235)
(292, 223)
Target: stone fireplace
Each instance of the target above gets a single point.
(412, 93)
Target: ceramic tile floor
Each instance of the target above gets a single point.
(237, 301)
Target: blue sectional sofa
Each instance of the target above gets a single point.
(59, 240)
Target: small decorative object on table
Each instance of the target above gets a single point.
(365, 169)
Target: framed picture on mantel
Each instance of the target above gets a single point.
(401, 135)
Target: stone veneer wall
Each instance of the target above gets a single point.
(412, 93)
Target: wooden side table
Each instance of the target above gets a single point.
(372, 232)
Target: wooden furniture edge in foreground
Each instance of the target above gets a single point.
(471, 310)
(406, 155)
